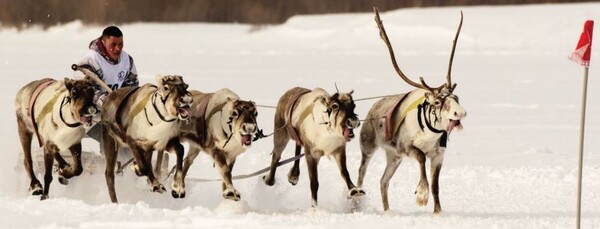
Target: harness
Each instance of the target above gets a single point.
(288, 116)
(423, 112)
(122, 131)
(45, 83)
(201, 120)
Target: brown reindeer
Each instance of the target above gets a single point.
(146, 119)
(320, 123)
(56, 112)
(415, 124)
(222, 125)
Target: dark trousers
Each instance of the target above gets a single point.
(96, 134)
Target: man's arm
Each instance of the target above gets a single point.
(132, 77)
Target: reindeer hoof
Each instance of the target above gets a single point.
(269, 182)
(177, 195)
(293, 180)
(44, 197)
(355, 193)
(159, 188)
(293, 177)
(36, 189)
(232, 195)
(62, 180)
(422, 198)
(422, 201)
(136, 169)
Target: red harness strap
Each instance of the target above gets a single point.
(389, 127)
(44, 83)
(288, 117)
(201, 119)
(118, 118)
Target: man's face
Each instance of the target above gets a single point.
(114, 46)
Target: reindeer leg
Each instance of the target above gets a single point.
(189, 159)
(142, 167)
(35, 187)
(229, 192)
(67, 171)
(367, 148)
(312, 161)
(49, 150)
(423, 186)
(110, 146)
(295, 170)
(178, 185)
(160, 155)
(340, 158)
(280, 140)
(230, 164)
(393, 161)
(436, 167)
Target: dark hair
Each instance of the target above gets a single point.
(112, 31)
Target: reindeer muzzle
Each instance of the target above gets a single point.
(183, 112)
(86, 119)
(453, 124)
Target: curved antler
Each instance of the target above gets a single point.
(384, 36)
(448, 77)
(92, 75)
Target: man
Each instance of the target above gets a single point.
(108, 60)
(113, 65)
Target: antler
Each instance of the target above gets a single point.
(92, 75)
(448, 77)
(385, 38)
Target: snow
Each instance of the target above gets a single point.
(513, 166)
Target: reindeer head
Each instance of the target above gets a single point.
(340, 113)
(442, 102)
(174, 95)
(81, 96)
(241, 117)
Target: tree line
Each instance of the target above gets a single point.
(25, 13)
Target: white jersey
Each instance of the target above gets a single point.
(114, 75)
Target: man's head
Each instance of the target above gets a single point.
(112, 39)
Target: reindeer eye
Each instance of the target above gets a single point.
(335, 106)
(166, 88)
(437, 102)
(235, 114)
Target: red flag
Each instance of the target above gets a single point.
(583, 51)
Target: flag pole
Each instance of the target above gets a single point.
(581, 136)
(582, 55)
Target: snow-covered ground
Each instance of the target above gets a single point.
(513, 166)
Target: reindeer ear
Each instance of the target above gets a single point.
(351, 91)
(159, 80)
(428, 95)
(68, 83)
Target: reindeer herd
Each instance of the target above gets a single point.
(162, 116)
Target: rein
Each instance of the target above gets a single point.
(422, 107)
(156, 108)
(62, 104)
(239, 177)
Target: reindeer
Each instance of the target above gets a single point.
(222, 125)
(56, 112)
(146, 118)
(320, 123)
(415, 124)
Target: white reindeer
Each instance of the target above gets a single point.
(416, 124)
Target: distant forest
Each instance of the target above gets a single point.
(25, 13)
